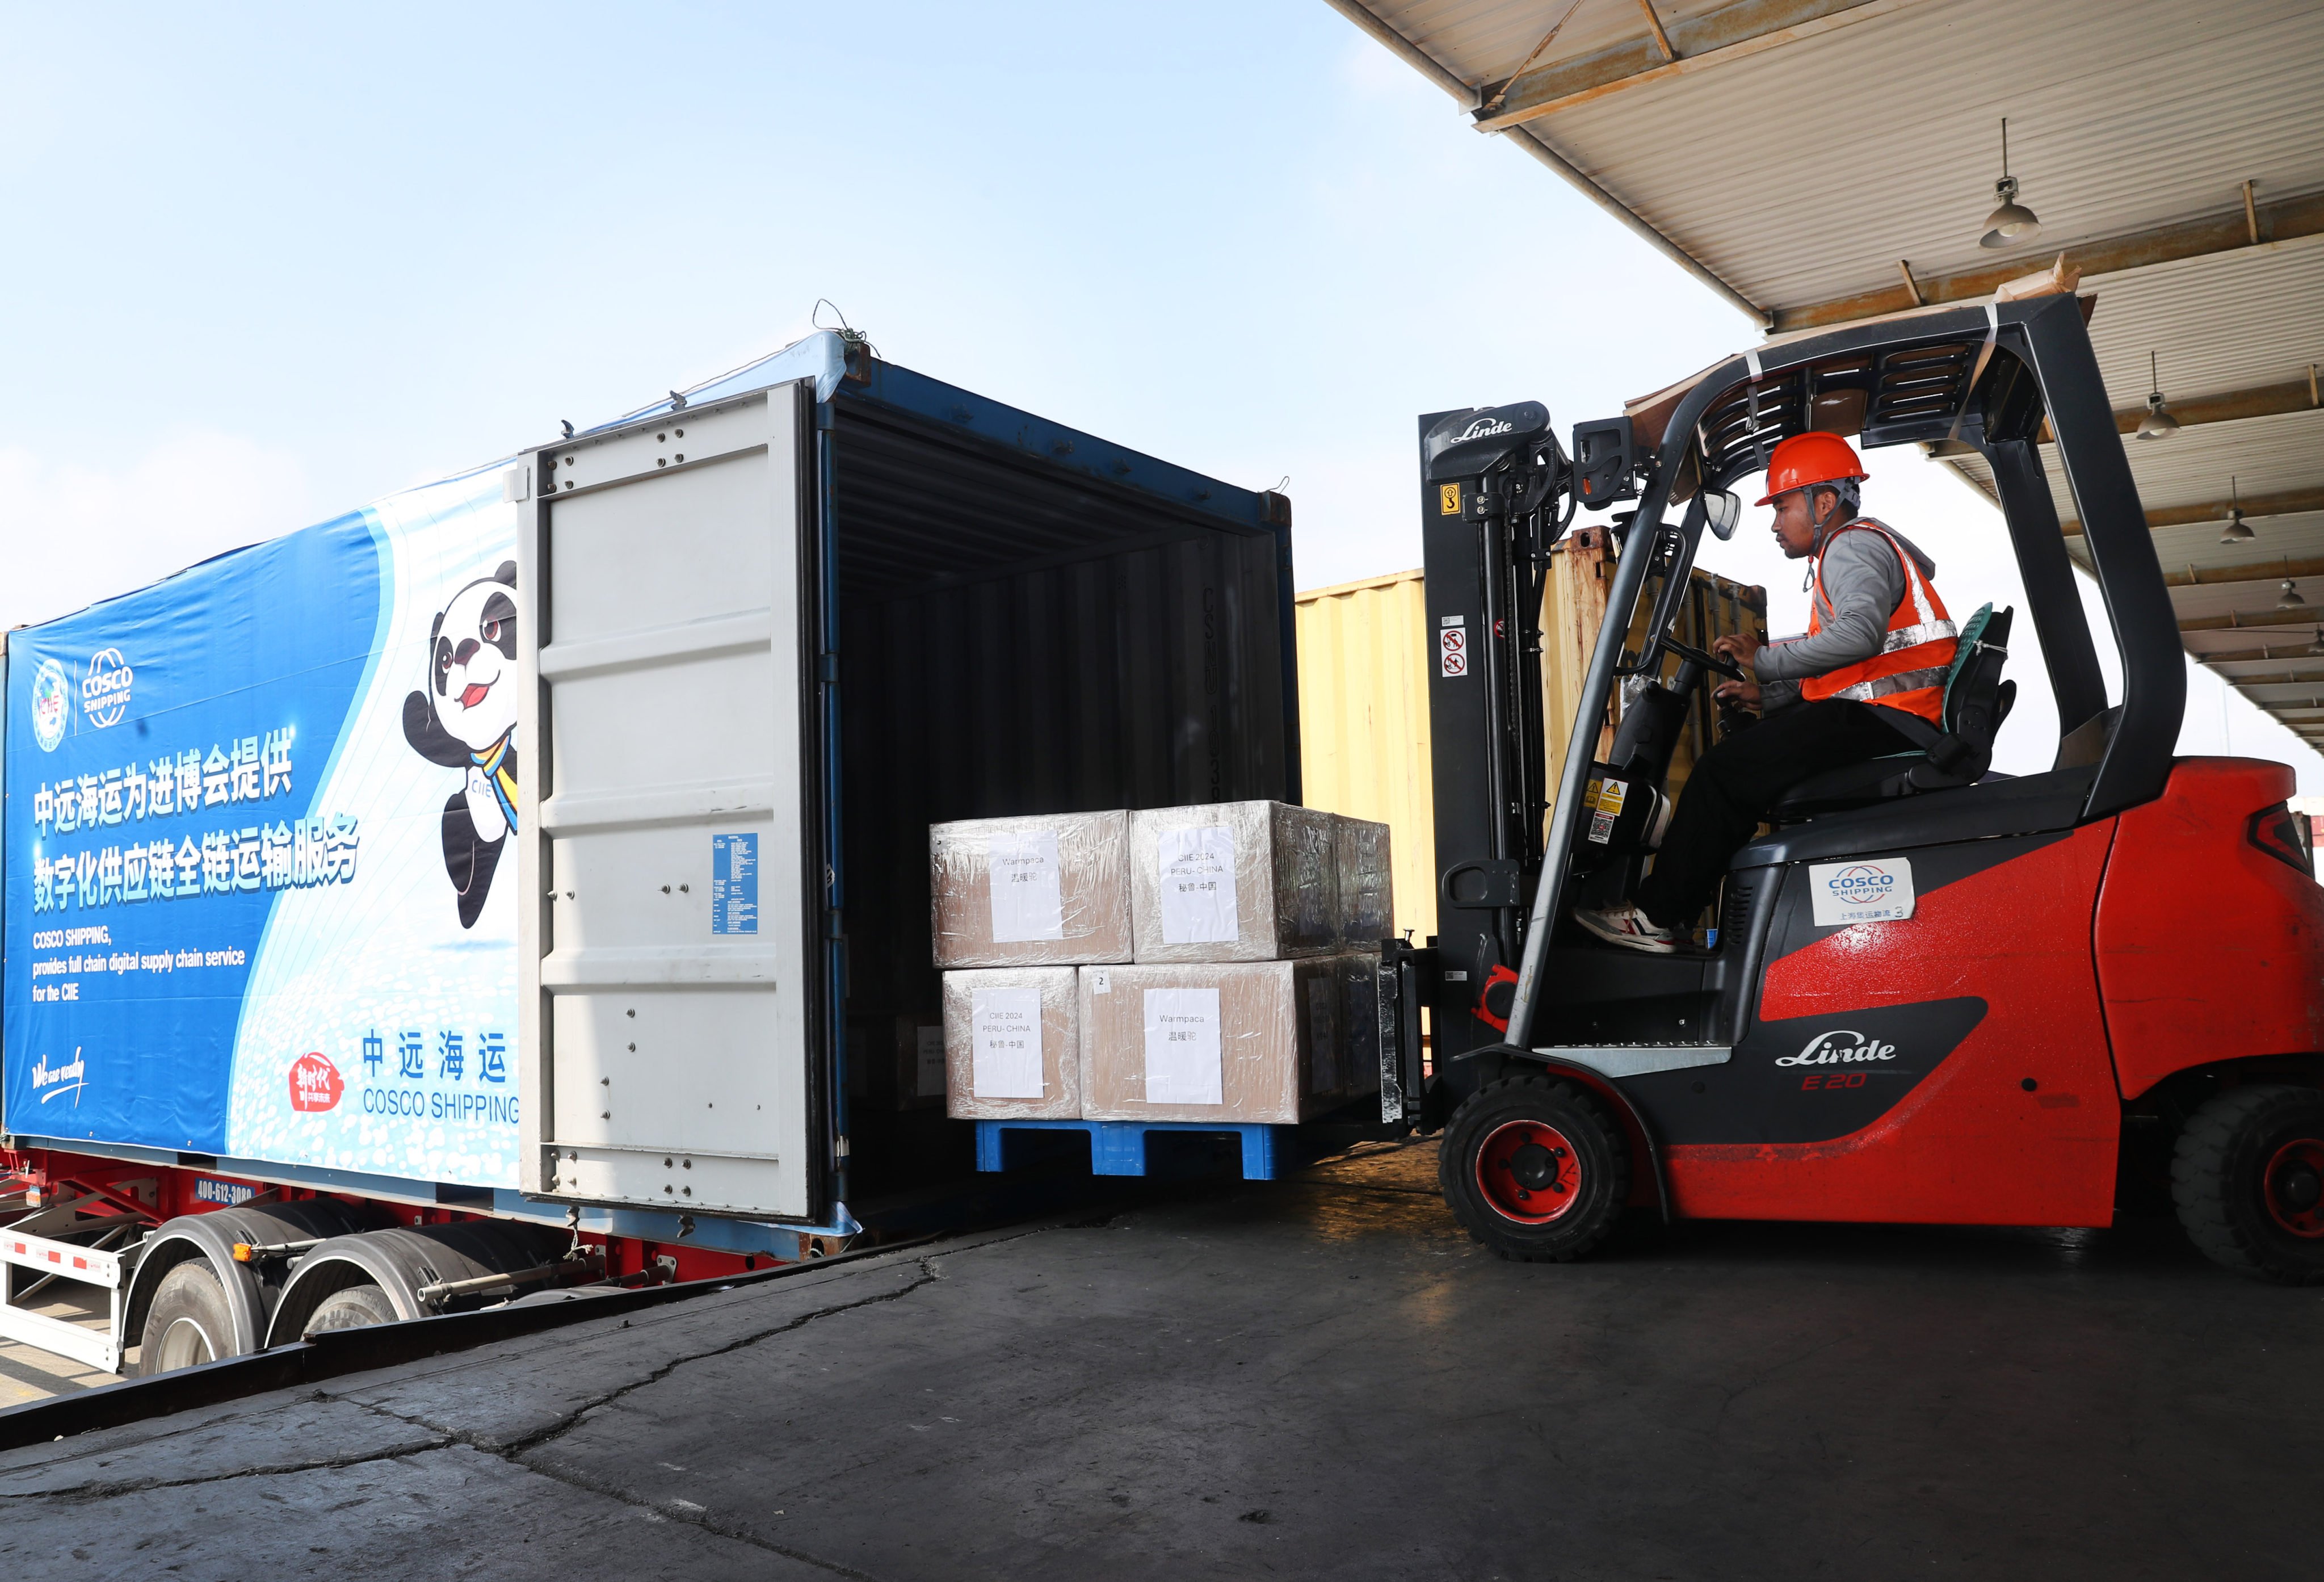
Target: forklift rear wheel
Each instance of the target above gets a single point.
(189, 1323)
(2248, 1180)
(1535, 1169)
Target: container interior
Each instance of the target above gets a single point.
(1017, 637)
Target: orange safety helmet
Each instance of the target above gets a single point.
(1809, 459)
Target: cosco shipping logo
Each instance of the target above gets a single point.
(50, 700)
(1862, 884)
(105, 690)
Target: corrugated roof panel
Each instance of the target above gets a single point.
(1804, 172)
(2231, 321)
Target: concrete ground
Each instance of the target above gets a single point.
(1316, 1378)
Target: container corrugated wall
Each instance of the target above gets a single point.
(1363, 722)
(1363, 694)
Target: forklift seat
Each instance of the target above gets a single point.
(1976, 701)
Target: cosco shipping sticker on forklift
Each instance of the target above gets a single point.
(255, 896)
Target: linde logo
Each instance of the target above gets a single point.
(105, 690)
(59, 1080)
(1483, 429)
(50, 704)
(1840, 1047)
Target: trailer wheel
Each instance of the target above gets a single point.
(356, 1307)
(188, 1322)
(2248, 1181)
(1535, 1169)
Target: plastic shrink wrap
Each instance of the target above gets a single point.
(1275, 1042)
(1367, 881)
(1012, 1044)
(1052, 890)
(1233, 882)
(896, 1063)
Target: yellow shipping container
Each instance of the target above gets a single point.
(1363, 694)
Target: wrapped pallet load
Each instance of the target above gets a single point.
(1233, 882)
(1230, 1042)
(1052, 890)
(1367, 881)
(1012, 1043)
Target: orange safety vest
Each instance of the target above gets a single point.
(1909, 670)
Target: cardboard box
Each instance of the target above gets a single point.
(897, 1062)
(1233, 882)
(1012, 1044)
(1276, 1041)
(1062, 897)
(1366, 881)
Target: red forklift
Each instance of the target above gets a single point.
(2089, 989)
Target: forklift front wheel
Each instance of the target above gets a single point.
(2249, 1181)
(1535, 1169)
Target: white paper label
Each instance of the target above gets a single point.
(931, 1051)
(1198, 888)
(1100, 980)
(1026, 902)
(1182, 1047)
(1861, 892)
(1005, 1056)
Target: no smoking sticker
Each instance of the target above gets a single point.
(1452, 652)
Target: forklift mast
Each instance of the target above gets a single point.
(1496, 492)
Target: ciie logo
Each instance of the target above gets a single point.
(315, 1083)
(59, 1080)
(1840, 1047)
(1483, 429)
(49, 705)
(105, 690)
(1861, 884)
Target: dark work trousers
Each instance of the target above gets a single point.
(1740, 778)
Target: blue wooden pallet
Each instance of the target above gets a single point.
(1118, 1148)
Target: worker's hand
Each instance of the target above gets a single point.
(1738, 646)
(1745, 693)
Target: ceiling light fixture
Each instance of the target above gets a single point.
(2236, 533)
(2288, 599)
(2158, 423)
(2011, 222)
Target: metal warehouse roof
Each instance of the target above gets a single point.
(1818, 161)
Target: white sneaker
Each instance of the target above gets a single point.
(1627, 927)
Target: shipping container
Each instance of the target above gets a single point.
(533, 840)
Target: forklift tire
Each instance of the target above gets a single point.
(1535, 1169)
(189, 1323)
(2248, 1181)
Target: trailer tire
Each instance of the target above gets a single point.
(353, 1306)
(189, 1323)
(1535, 1169)
(2246, 1179)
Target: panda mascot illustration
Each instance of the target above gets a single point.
(466, 719)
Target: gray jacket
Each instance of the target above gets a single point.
(1863, 584)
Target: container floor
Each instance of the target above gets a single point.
(1315, 1377)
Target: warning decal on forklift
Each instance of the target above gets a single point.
(1604, 798)
(1448, 499)
(1861, 892)
(1452, 649)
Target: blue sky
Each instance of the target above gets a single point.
(268, 263)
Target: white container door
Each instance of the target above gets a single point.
(671, 949)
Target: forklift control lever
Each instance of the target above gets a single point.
(1710, 662)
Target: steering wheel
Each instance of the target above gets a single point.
(1710, 662)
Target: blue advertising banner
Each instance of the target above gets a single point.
(254, 815)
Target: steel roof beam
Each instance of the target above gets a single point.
(1470, 97)
(2237, 575)
(2227, 232)
(1676, 49)
(2256, 621)
(2263, 400)
(2290, 503)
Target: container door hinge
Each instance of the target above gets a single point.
(826, 417)
(826, 667)
(839, 1148)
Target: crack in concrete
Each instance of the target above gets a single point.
(81, 1494)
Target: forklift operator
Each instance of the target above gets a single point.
(1879, 640)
